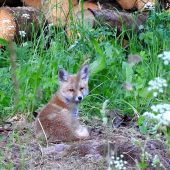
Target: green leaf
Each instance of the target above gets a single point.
(143, 165)
(127, 72)
(140, 120)
(2, 95)
(145, 93)
(3, 41)
(143, 129)
(97, 66)
(98, 49)
(109, 50)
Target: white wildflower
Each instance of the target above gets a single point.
(6, 21)
(10, 27)
(121, 156)
(151, 115)
(157, 85)
(155, 94)
(166, 62)
(111, 162)
(154, 108)
(26, 16)
(22, 33)
(165, 56)
(166, 117)
(118, 162)
(24, 44)
(163, 113)
(141, 27)
(149, 5)
(157, 108)
(161, 90)
(51, 24)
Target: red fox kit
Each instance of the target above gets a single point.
(58, 119)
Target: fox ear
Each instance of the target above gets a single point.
(62, 75)
(84, 72)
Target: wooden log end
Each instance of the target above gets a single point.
(77, 15)
(142, 4)
(127, 4)
(33, 3)
(57, 12)
(86, 5)
(7, 25)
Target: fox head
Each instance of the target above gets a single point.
(74, 87)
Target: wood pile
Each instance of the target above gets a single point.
(19, 18)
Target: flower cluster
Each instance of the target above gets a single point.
(157, 85)
(10, 27)
(26, 16)
(163, 113)
(22, 33)
(118, 163)
(149, 6)
(51, 24)
(160, 108)
(165, 56)
(6, 21)
(24, 44)
(156, 162)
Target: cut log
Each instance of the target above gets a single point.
(56, 11)
(101, 1)
(19, 23)
(139, 4)
(127, 4)
(71, 17)
(7, 25)
(144, 4)
(12, 3)
(114, 19)
(86, 5)
(33, 3)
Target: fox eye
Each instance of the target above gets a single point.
(71, 90)
(81, 88)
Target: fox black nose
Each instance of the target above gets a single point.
(80, 98)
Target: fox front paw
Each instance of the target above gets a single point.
(82, 133)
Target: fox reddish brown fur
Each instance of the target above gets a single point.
(58, 119)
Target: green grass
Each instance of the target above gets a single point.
(38, 63)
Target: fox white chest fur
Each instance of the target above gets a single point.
(58, 119)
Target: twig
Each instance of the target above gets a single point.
(13, 69)
(43, 131)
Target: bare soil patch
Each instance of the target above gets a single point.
(20, 150)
